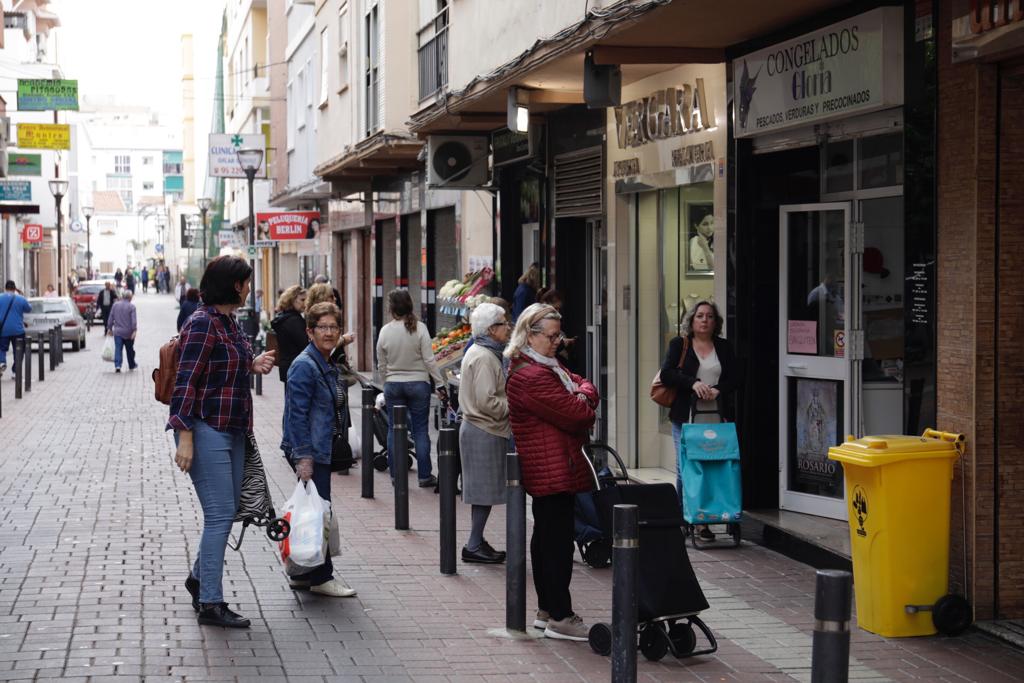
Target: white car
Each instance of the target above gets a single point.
(48, 311)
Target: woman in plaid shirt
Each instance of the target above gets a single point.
(211, 412)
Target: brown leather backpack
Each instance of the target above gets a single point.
(165, 373)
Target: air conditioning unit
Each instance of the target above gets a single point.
(457, 161)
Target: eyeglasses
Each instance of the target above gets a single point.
(553, 338)
(502, 324)
(327, 329)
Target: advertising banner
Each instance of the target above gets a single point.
(224, 154)
(32, 236)
(853, 66)
(228, 239)
(41, 94)
(44, 135)
(287, 225)
(22, 164)
(15, 191)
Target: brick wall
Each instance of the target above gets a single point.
(981, 318)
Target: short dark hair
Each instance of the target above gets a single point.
(192, 294)
(222, 274)
(10, 285)
(319, 310)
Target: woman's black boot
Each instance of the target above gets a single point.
(218, 614)
(192, 586)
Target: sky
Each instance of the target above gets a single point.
(131, 50)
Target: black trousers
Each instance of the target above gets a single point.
(551, 552)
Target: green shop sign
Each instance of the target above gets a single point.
(39, 94)
(20, 164)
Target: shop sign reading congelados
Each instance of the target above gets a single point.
(853, 66)
(664, 114)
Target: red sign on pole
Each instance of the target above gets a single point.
(287, 225)
(32, 236)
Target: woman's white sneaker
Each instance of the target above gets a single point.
(570, 628)
(334, 589)
(541, 620)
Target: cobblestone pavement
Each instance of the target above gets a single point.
(98, 529)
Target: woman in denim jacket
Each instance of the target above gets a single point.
(309, 426)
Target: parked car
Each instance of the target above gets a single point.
(85, 295)
(50, 311)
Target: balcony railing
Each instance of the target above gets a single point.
(433, 61)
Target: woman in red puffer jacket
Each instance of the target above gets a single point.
(551, 410)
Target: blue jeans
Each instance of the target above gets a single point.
(128, 344)
(217, 461)
(416, 397)
(322, 480)
(5, 342)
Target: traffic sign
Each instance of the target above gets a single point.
(158, 248)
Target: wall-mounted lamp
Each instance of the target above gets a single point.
(518, 110)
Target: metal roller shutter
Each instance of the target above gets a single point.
(579, 183)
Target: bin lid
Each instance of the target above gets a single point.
(875, 451)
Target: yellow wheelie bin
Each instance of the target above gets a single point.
(898, 501)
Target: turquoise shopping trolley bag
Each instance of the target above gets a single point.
(709, 465)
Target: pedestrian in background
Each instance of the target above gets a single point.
(551, 410)
(118, 278)
(406, 365)
(145, 281)
(211, 413)
(13, 307)
(189, 304)
(708, 371)
(322, 279)
(50, 292)
(129, 281)
(181, 289)
(290, 328)
(309, 426)
(124, 325)
(485, 430)
(526, 290)
(105, 301)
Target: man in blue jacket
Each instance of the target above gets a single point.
(13, 307)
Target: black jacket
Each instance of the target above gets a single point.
(683, 378)
(187, 309)
(292, 339)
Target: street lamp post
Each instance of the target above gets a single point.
(58, 188)
(204, 205)
(87, 212)
(250, 160)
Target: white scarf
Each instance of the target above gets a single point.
(555, 366)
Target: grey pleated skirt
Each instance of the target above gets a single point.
(483, 466)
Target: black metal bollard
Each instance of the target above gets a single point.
(446, 468)
(19, 364)
(625, 563)
(399, 466)
(367, 456)
(59, 335)
(40, 341)
(53, 350)
(830, 656)
(515, 542)
(27, 359)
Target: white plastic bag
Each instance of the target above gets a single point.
(355, 443)
(334, 543)
(310, 519)
(108, 349)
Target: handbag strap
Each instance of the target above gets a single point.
(9, 307)
(686, 349)
(333, 390)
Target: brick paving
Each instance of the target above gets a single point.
(98, 528)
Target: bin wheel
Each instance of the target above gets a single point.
(278, 529)
(600, 638)
(598, 553)
(683, 638)
(380, 462)
(737, 534)
(653, 642)
(952, 615)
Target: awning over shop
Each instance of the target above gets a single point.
(383, 154)
(293, 197)
(644, 37)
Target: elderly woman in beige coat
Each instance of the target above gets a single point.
(485, 431)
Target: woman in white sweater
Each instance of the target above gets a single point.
(406, 365)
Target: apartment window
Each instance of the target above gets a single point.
(123, 186)
(147, 161)
(291, 124)
(309, 82)
(122, 164)
(245, 60)
(147, 186)
(300, 89)
(324, 43)
(372, 76)
(342, 47)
